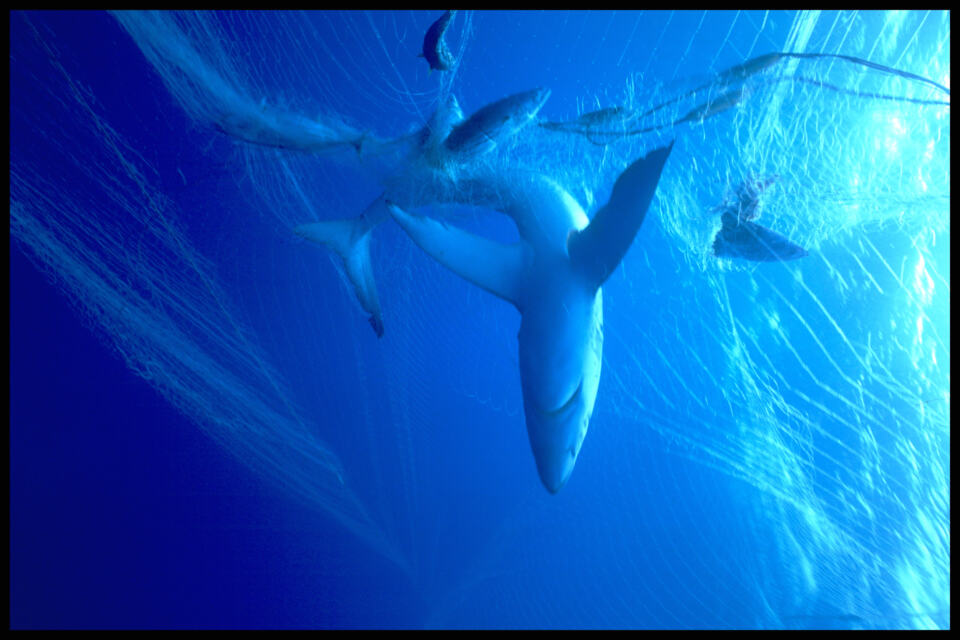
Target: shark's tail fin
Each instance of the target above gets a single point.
(351, 239)
(597, 249)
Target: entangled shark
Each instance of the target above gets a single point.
(553, 275)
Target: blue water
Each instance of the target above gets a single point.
(206, 433)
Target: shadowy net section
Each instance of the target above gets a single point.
(84, 204)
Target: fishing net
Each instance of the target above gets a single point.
(770, 445)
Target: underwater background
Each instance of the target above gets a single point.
(205, 432)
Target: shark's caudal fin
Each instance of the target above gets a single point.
(495, 267)
(351, 240)
(597, 249)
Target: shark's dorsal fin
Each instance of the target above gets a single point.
(596, 250)
(493, 266)
(445, 118)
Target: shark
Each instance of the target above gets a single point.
(553, 275)
(423, 177)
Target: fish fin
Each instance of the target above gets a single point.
(350, 239)
(492, 266)
(596, 250)
(750, 241)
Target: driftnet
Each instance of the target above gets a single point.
(811, 397)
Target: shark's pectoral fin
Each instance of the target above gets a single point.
(597, 249)
(351, 240)
(495, 267)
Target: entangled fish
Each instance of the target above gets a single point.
(607, 117)
(717, 105)
(746, 69)
(435, 50)
(740, 238)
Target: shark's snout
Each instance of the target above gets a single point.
(556, 436)
(555, 472)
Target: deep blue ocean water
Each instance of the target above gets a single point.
(206, 433)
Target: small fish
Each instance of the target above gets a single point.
(746, 69)
(602, 116)
(717, 105)
(608, 117)
(435, 50)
